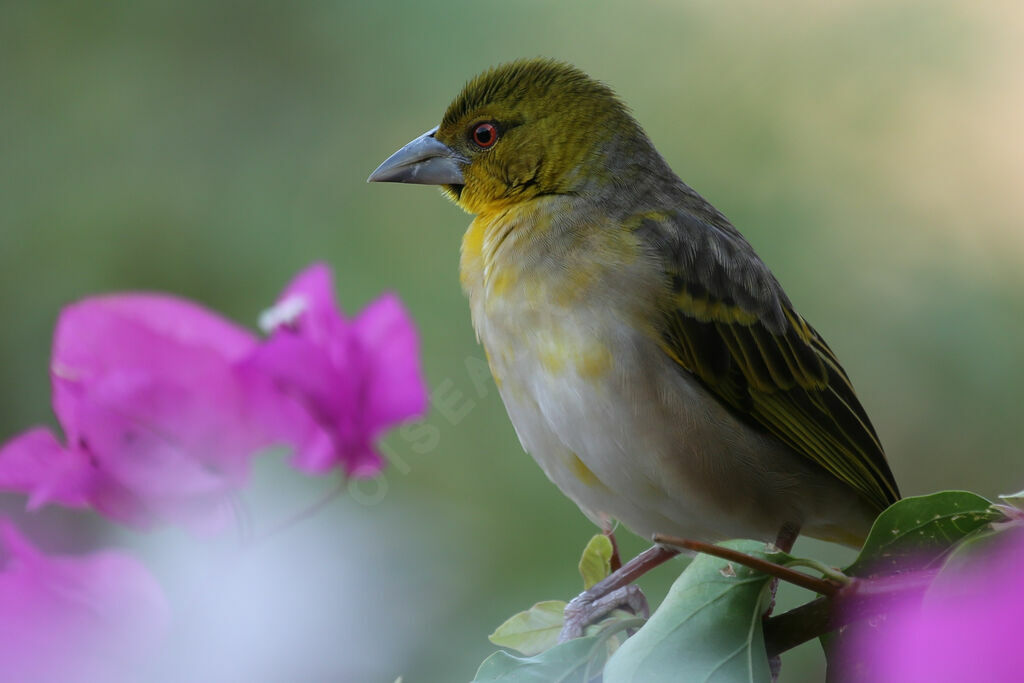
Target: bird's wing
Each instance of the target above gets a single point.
(728, 322)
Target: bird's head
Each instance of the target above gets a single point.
(519, 131)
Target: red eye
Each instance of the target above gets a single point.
(485, 135)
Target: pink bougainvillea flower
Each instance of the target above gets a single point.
(158, 423)
(91, 618)
(163, 403)
(966, 628)
(355, 377)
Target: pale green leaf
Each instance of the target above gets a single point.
(596, 562)
(574, 661)
(708, 628)
(533, 631)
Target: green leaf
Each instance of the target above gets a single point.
(708, 628)
(574, 661)
(969, 560)
(533, 631)
(1015, 499)
(915, 532)
(596, 561)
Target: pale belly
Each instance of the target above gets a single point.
(629, 436)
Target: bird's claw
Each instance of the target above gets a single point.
(584, 609)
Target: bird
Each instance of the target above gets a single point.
(649, 360)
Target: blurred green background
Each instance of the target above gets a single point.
(872, 152)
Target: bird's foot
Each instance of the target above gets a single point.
(614, 591)
(586, 609)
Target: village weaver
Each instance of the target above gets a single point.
(648, 359)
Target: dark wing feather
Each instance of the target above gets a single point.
(730, 324)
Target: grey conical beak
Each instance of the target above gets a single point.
(425, 161)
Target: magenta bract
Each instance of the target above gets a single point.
(90, 618)
(164, 403)
(356, 378)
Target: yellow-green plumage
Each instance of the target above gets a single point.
(649, 360)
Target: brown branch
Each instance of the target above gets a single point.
(812, 583)
(861, 599)
(840, 605)
(795, 627)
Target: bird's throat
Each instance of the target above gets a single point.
(497, 241)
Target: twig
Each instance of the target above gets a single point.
(301, 515)
(839, 605)
(812, 583)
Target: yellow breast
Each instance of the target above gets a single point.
(556, 261)
(539, 292)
